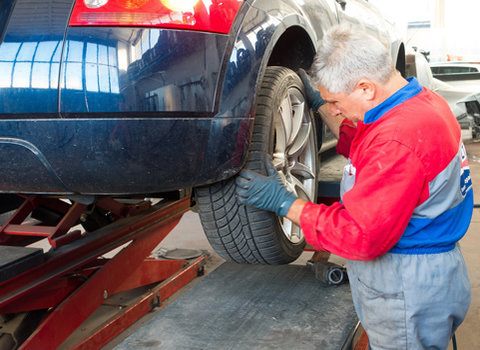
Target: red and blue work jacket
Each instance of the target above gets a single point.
(406, 188)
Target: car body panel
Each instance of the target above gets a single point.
(129, 110)
(263, 25)
(107, 156)
(139, 70)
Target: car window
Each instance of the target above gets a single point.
(453, 70)
(460, 69)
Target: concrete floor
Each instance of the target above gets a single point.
(189, 234)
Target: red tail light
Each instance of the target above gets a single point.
(205, 15)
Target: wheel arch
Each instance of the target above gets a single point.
(294, 49)
(287, 40)
(290, 47)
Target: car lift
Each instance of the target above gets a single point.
(41, 291)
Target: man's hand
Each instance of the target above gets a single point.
(264, 192)
(314, 98)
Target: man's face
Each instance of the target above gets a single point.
(352, 106)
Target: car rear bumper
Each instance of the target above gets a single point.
(118, 155)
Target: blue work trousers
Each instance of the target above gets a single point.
(410, 301)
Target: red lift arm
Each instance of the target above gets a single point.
(75, 279)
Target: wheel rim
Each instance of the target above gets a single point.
(294, 153)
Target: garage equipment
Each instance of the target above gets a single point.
(54, 292)
(328, 272)
(241, 306)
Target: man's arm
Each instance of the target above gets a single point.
(374, 213)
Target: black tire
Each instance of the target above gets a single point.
(248, 235)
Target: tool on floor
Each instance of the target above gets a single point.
(328, 272)
(325, 271)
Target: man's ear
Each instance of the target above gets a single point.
(367, 88)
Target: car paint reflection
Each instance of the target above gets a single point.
(139, 70)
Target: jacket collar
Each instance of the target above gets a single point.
(413, 88)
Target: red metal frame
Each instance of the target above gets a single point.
(141, 306)
(15, 231)
(76, 280)
(362, 343)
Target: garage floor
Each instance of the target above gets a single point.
(189, 234)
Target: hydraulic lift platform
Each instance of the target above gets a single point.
(47, 298)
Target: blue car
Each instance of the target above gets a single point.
(147, 97)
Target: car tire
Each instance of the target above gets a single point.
(284, 128)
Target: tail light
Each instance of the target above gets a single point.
(204, 15)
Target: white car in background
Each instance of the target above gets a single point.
(461, 95)
(448, 70)
(458, 74)
(417, 66)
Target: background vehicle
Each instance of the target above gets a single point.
(465, 75)
(135, 98)
(471, 107)
(447, 70)
(462, 97)
(418, 66)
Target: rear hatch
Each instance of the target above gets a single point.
(32, 35)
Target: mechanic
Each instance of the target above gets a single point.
(406, 195)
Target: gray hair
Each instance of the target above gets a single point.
(348, 54)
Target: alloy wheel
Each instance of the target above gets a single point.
(294, 153)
